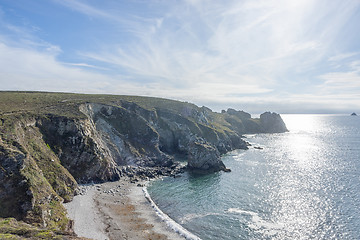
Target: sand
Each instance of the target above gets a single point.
(116, 210)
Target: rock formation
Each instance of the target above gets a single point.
(272, 123)
(59, 140)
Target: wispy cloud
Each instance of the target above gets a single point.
(233, 39)
(86, 9)
(85, 65)
(27, 69)
(342, 56)
(342, 82)
(274, 51)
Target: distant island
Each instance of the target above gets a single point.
(353, 114)
(51, 142)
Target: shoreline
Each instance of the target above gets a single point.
(170, 223)
(121, 210)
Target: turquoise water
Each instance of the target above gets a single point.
(304, 184)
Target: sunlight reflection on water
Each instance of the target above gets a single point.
(304, 184)
(301, 202)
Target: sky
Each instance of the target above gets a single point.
(298, 56)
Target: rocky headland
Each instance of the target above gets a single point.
(51, 142)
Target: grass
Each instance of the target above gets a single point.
(66, 104)
(10, 228)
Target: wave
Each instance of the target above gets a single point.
(259, 224)
(169, 221)
(192, 216)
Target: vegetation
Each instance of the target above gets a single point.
(10, 228)
(67, 104)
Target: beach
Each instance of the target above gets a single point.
(116, 210)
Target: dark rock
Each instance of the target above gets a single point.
(203, 156)
(239, 114)
(272, 123)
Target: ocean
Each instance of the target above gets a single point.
(303, 184)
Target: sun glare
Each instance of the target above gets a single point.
(300, 123)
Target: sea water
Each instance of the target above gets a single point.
(303, 184)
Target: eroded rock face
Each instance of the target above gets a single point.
(130, 138)
(33, 183)
(272, 123)
(80, 148)
(13, 184)
(203, 156)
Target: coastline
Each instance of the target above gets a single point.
(120, 210)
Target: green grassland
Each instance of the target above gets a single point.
(10, 228)
(66, 104)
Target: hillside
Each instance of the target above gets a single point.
(50, 142)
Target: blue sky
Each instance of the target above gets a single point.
(298, 56)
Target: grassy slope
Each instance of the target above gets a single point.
(10, 228)
(66, 104)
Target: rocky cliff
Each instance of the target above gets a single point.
(49, 142)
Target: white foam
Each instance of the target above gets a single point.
(192, 216)
(170, 222)
(257, 223)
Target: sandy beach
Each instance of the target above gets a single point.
(116, 210)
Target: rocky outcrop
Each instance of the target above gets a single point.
(79, 147)
(135, 136)
(272, 123)
(13, 184)
(203, 156)
(238, 114)
(33, 183)
(129, 137)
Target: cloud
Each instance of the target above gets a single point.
(85, 65)
(237, 52)
(86, 9)
(342, 56)
(29, 69)
(215, 42)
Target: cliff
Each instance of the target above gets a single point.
(50, 142)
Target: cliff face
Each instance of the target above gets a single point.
(33, 183)
(272, 123)
(45, 153)
(132, 135)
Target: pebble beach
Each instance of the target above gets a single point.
(116, 210)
